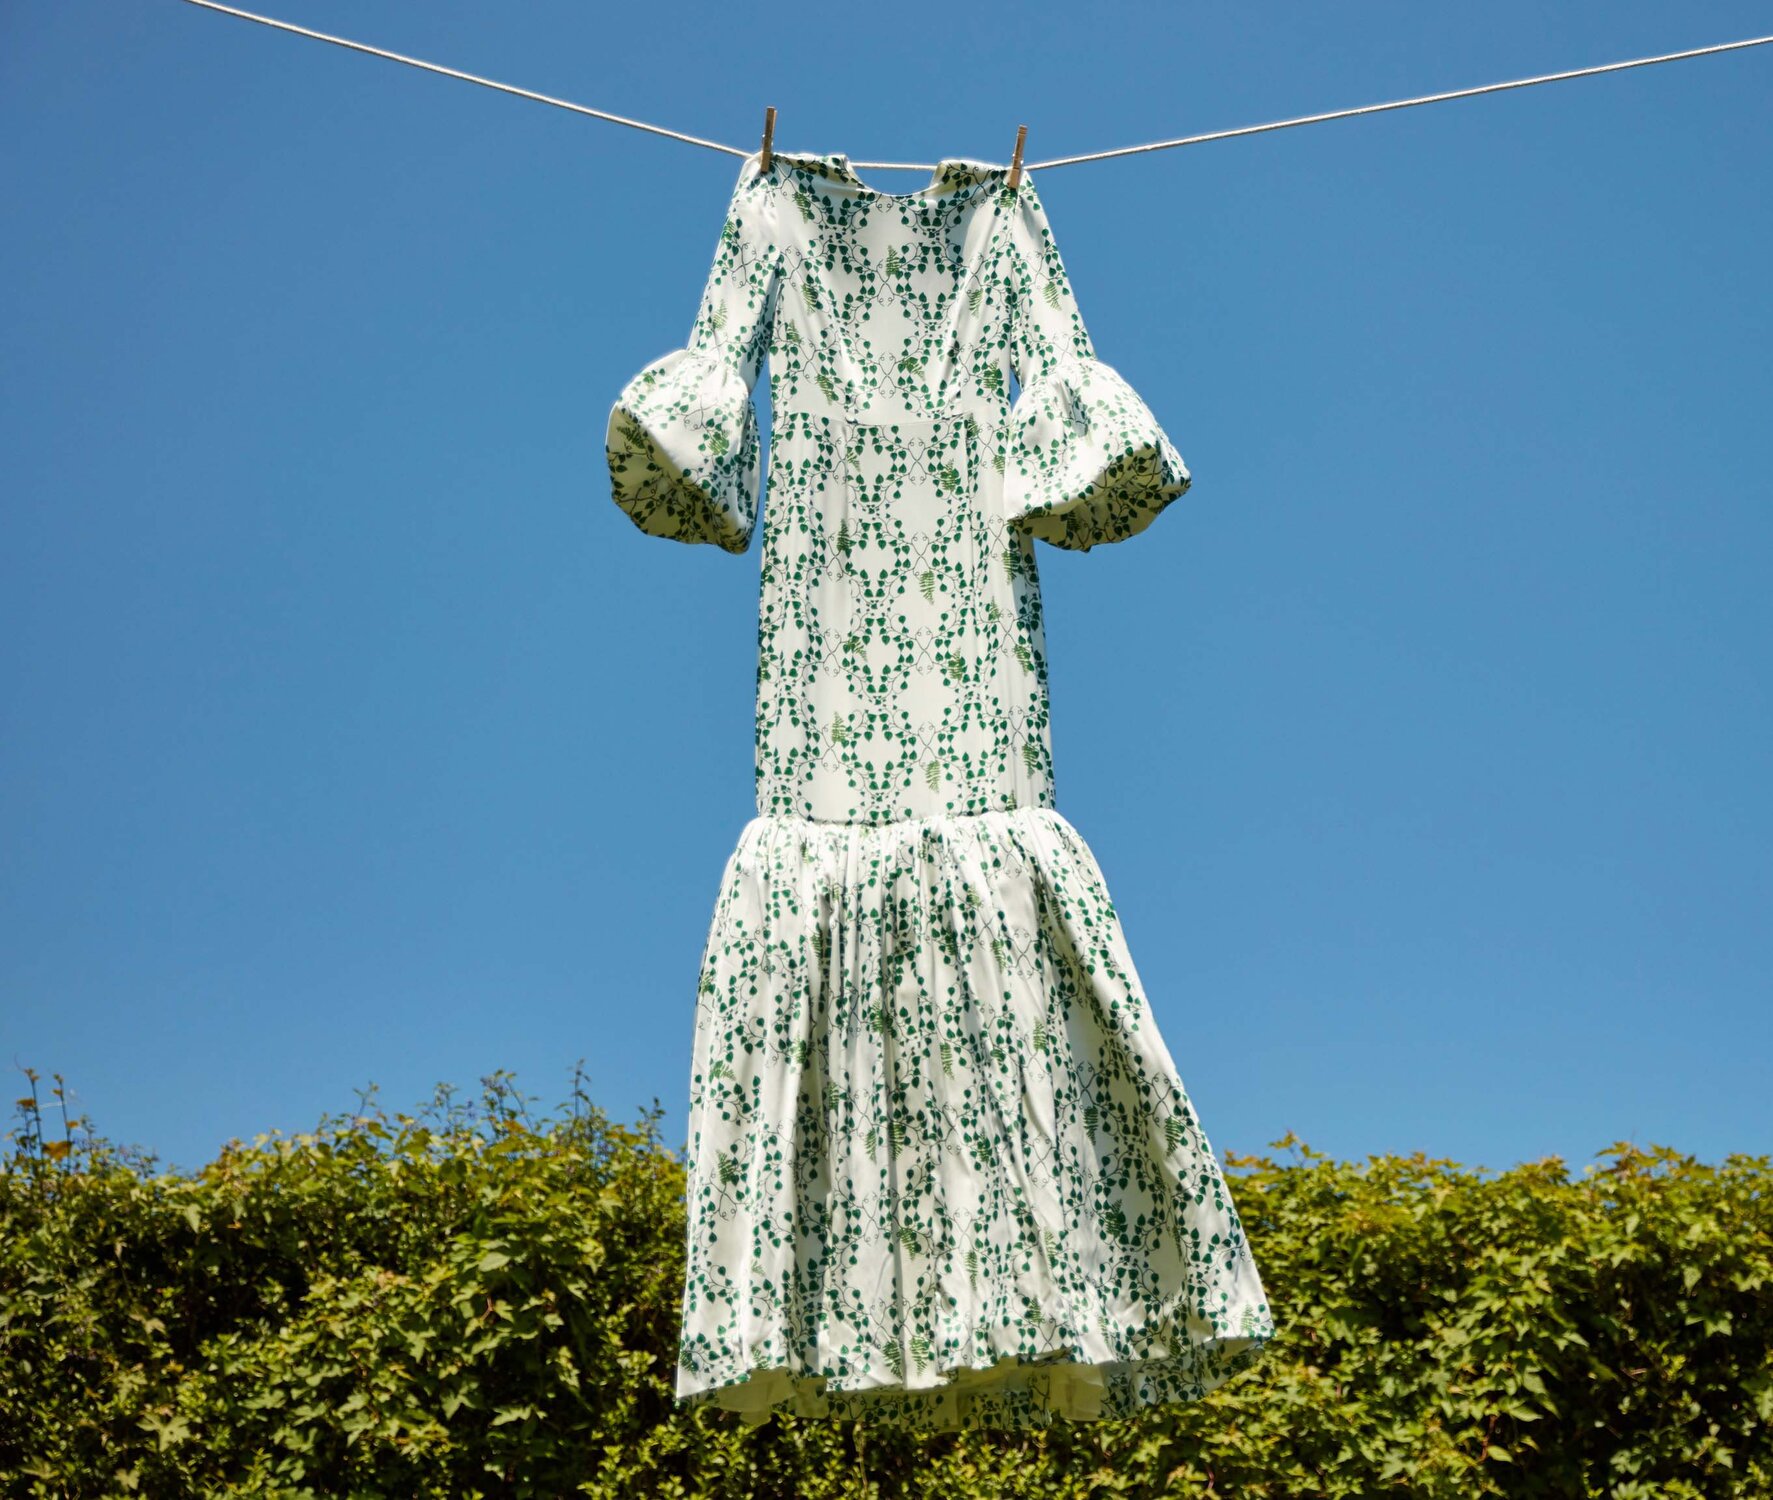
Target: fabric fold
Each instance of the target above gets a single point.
(1088, 462)
(930, 1174)
(682, 445)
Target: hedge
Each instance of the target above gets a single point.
(472, 1300)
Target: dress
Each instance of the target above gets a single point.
(941, 1168)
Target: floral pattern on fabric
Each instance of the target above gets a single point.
(1091, 464)
(935, 1132)
(941, 1167)
(685, 451)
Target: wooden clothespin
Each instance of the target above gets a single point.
(769, 137)
(1016, 160)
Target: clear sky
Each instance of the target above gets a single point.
(350, 735)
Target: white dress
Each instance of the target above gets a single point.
(941, 1167)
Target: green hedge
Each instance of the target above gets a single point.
(472, 1301)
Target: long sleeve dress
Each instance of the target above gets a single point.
(941, 1167)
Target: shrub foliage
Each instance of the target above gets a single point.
(473, 1301)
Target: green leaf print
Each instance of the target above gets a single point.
(847, 985)
(1114, 1221)
(1172, 1133)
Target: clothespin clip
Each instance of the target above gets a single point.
(769, 136)
(1016, 160)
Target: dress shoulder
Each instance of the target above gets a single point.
(1088, 461)
(682, 440)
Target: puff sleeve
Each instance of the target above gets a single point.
(682, 439)
(1087, 461)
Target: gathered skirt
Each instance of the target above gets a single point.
(941, 1167)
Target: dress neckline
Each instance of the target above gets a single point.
(951, 173)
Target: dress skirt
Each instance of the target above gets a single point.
(941, 1167)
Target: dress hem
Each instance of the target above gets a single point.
(1010, 1393)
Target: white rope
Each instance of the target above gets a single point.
(1057, 161)
(489, 83)
(1374, 109)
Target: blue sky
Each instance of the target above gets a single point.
(350, 735)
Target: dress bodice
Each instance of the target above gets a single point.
(936, 407)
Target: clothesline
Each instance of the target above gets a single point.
(1057, 161)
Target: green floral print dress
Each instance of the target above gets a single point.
(941, 1167)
